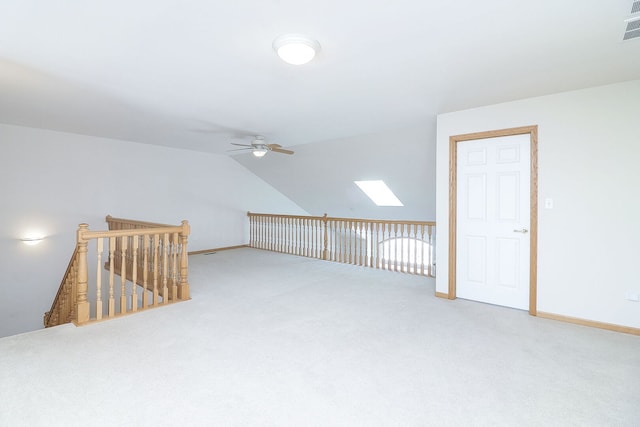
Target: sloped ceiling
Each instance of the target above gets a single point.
(197, 74)
(319, 176)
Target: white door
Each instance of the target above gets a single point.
(493, 218)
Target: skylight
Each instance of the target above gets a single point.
(379, 193)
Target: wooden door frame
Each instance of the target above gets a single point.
(532, 131)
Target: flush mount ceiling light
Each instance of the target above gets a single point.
(296, 49)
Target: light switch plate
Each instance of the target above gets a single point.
(548, 203)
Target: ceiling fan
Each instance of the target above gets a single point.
(259, 148)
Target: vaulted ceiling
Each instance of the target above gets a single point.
(198, 74)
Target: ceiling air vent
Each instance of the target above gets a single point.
(633, 30)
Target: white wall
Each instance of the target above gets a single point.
(51, 181)
(589, 149)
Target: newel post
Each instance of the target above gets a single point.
(325, 252)
(82, 277)
(183, 286)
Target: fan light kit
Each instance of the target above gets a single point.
(259, 151)
(296, 49)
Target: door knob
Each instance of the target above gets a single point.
(523, 231)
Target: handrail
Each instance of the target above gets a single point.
(398, 245)
(147, 255)
(119, 222)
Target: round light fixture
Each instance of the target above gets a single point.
(259, 150)
(296, 49)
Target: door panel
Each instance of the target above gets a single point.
(493, 201)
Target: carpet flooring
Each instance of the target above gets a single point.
(276, 340)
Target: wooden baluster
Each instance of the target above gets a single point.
(316, 253)
(310, 235)
(294, 234)
(252, 229)
(367, 243)
(134, 273)
(356, 241)
(174, 267)
(99, 308)
(310, 222)
(393, 249)
(266, 228)
(277, 229)
(383, 247)
(340, 241)
(319, 239)
(420, 260)
(337, 243)
(298, 235)
(300, 222)
(294, 230)
(413, 237)
(375, 245)
(267, 233)
(325, 243)
(82, 304)
(156, 243)
(352, 242)
(361, 243)
(303, 237)
(343, 241)
(347, 242)
(430, 255)
(256, 230)
(389, 261)
(165, 268)
(112, 300)
(184, 291)
(370, 241)
(145, 271)
(402, 239)
(123, 274)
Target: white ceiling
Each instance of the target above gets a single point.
(196, 74)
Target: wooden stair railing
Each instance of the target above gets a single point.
(150, 260)
(64, 304)
(402, 246)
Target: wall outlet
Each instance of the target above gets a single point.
(633, 296)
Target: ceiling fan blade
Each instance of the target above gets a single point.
(281, 150)
(241, 145)
(240, 149)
